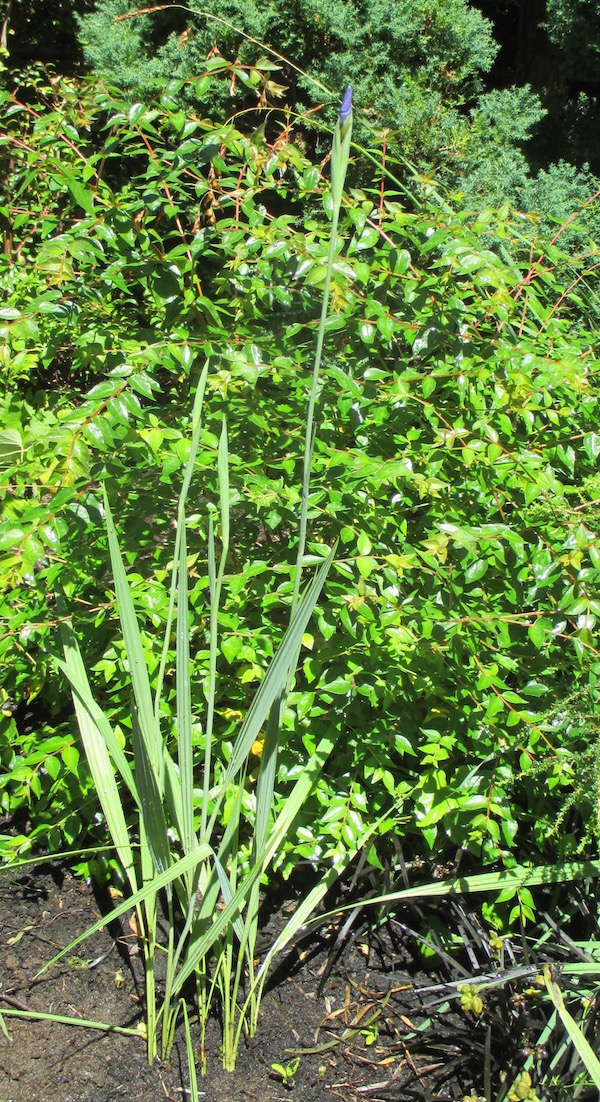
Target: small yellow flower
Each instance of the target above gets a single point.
(470, 999)
(523, 1090)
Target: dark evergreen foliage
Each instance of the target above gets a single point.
(480, 97)
(43, 31)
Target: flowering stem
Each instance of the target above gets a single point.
(339, 164)
(268, 766)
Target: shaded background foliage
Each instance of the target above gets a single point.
(479, 95)
(43, 31)
(498, 100)
(457, 447)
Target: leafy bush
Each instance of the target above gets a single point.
(458, 419)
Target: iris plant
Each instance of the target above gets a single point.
(210, 884)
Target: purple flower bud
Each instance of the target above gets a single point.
(346, 108)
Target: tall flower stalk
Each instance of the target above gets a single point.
(340, 156)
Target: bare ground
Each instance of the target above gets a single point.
(349, 1010)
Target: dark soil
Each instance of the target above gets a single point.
(41, 911)
(349, 1006)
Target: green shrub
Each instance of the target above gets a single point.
(458, 418)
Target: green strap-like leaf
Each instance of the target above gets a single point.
(579, 1041)
(94, 736)
(151, 803)
(184, 703)
(80, 687)
(215, 581)
(189, 470)
(273, 684)
(135, 652)
(202, 945)
(150, 890)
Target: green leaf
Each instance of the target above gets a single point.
(70, 757)
(428, 386)
(95, 738)
(150, 732)
(11, 444)
(537, 632)
(142, 384)
(476, 571)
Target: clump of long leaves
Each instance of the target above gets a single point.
(187, 848)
